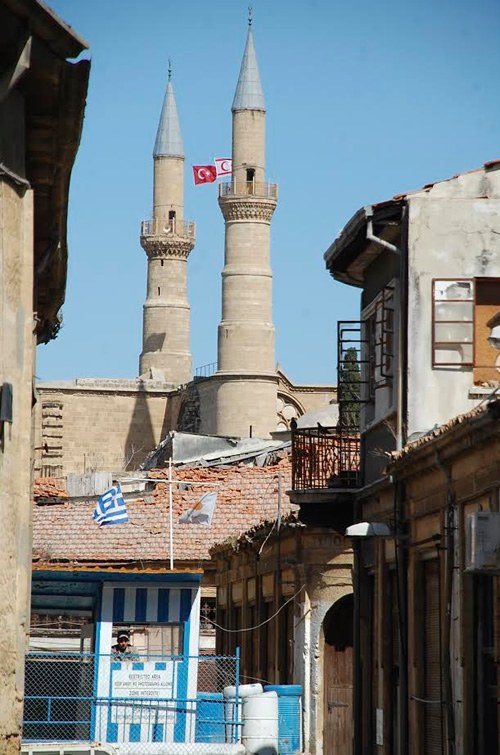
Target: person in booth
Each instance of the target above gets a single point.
(123, 650)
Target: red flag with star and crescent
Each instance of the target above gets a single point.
(204, 174)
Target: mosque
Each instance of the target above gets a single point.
(246, 395)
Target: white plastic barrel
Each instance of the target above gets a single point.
(260, 724)
(232, 712)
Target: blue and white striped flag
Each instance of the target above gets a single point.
(110, 508)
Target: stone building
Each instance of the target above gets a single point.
(42, 100)
(245, 394)
(428, 596)
(424, 352)
(284, 593)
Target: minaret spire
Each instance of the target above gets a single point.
(168, 136)
(249, 95)
(246, 374)
(167, 241)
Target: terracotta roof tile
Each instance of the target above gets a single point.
(247, 496)
(49, 487)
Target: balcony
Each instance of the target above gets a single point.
(248, 188)
(325, 470)
(157, 227)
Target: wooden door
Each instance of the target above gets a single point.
(337, 678)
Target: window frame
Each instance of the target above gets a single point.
(437, 345)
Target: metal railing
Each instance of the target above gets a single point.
(157, 227)
(324, 458)
(248, 188)
(206, 370)
(86, 697)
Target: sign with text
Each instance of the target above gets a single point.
(146, 688)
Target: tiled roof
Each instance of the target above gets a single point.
(247, 496)
(49, 487)
(437, 432)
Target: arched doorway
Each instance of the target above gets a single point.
(337, 676)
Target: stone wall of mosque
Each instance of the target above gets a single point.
(99, 424)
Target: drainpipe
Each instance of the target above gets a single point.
(400, 371)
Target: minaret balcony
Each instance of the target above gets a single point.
(165, 228)
(258, 189)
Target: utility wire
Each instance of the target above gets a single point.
(257, 626)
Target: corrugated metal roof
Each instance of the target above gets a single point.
(249, 95)
(168, 137)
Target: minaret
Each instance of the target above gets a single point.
(246, 375)
(167, 241)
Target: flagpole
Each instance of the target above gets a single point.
(170, 516)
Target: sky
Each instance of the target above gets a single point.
(364, 101)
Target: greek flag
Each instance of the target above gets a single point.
(110, 508)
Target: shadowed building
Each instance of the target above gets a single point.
(42, 100)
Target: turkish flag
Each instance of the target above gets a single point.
(204, 174)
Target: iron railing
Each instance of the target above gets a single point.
(157, 227)
(248, 188)
(141, 700)
(324, 458)
(206, 370)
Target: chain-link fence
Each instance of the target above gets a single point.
(138, 700)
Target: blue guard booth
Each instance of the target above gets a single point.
(147, 694)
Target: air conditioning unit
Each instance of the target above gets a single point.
(482, 541)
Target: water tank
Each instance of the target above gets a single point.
(289, 717)
(210, 717)
(260, 724)
(233, 708)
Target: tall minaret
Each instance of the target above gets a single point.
(246, 376)
(167, 241)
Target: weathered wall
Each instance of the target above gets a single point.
(454, 231)
(444, 480)
(312, 567)
(111, 424)
(88, 424)
(17, 351)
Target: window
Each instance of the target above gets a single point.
(453, 317)
(486, 306)
(462, 309)
(153, 639)
(379, 338)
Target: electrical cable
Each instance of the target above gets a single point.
(257, 626)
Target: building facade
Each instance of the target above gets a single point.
(42, 100)
(284, 596)
(427, 597)
(422, 353)
(422, 337)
